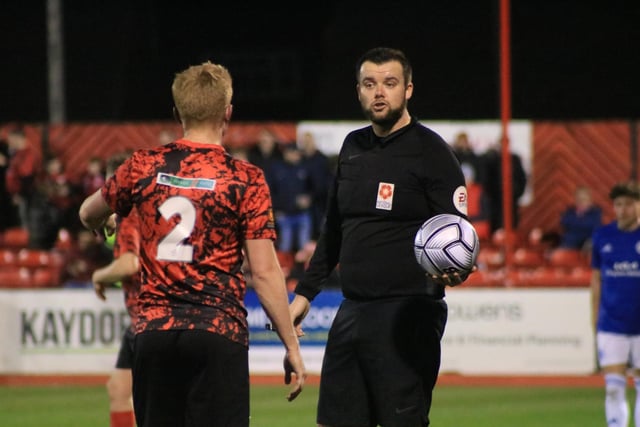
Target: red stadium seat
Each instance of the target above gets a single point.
(567, 258)
(525, 257)
(579, 277)
(45, 277)
(15, 237)
(490, 258)
(538, 277)
(33, 258)
(15, 277)
(64, 241)
(8, 257)
(483, 230)
(500, 237)
(485, 279)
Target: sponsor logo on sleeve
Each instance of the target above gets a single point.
(460, 200)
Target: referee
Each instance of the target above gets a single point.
(383, 351)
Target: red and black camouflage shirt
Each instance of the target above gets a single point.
(196, 205)
(128, 240)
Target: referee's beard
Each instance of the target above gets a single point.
(389, 119)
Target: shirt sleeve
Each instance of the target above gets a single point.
(257, 212)
(118, 189)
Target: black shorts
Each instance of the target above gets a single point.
(190, 378)
(125, 354)
(381, 362)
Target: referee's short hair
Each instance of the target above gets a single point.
(625, 189)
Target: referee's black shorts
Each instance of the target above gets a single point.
(190, 378)
(381, 362)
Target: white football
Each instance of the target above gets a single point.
(445, 244)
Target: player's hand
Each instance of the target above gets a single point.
(99, 290)
(453, 279)
(299, 308)
(293, 365)
(110, 225)
(98, 284)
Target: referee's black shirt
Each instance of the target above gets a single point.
(384, 189)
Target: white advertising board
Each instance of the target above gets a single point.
(62, 331)
(490, 331)
(519, 331)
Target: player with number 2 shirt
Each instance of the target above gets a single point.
(200, 211)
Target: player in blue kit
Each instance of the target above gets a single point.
(615, 291)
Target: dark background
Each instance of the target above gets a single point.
(570, 59)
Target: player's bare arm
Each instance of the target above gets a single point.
(121, 268)
(94, 212)
(269, 284)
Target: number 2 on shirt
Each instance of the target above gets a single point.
(171, 247)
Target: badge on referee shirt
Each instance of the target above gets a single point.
(385, 196)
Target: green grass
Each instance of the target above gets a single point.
(454, 406)
(518, 406)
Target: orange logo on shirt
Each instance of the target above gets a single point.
(385, 191)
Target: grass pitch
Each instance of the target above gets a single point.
(453, 406)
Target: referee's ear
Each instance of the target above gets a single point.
(176, 114)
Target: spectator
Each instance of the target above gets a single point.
(265, 152)
(51, 207)
(8, 212)
(59, 190)
(579, 221)
(292, 191)
(93, 177)
(466, 155)
(24, 166)
(478, 208)
(493, 186)
(321, 175)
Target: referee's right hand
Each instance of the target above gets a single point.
(299, 308)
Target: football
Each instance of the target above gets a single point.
(445, 244)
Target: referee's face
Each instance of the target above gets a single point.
(382, 91)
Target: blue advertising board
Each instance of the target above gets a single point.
(315, 325)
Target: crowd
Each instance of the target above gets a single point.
(39, 195)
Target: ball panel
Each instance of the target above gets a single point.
(446, 243)
(443, 235)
